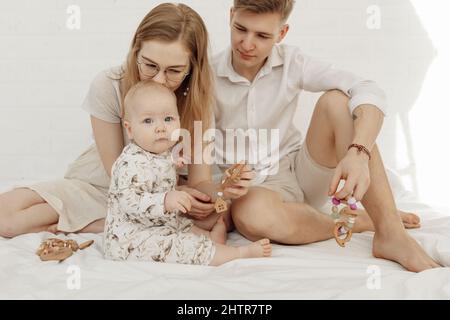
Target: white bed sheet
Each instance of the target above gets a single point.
(314, 271)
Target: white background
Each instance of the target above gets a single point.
(46, 69)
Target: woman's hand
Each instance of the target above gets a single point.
(201, 206)
(240, 188)
(354, 169)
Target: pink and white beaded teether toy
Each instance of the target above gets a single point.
(344, 219)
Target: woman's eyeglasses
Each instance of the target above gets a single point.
(150, 70)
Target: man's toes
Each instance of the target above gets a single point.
(413, 219)
(409, 218)
(434, 264)
(411, 226)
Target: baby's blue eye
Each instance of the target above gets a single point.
(168, 119)
(148, 120)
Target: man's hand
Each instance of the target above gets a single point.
(354, 169)
(177, 200)
(201, 206)
(240, 188)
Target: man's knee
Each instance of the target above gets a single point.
(333, 100)
(254, 215)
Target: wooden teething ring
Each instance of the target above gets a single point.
(337, 236)
(59, 249)
(233, 175)
(344, 220)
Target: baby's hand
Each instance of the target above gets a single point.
(180, 162)
(177, 200)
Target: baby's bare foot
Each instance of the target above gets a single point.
(218, 233)
(257, 249)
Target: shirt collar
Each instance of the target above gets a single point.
(225, 67)
(135, 148)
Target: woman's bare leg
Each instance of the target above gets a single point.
(22, 211)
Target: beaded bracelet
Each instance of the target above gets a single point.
(360, 148)
(344, 219)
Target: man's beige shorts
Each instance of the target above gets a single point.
(301, 179)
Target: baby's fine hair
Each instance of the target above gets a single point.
(147, 85)
(283, 7)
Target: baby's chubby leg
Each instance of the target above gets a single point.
(218, 233)
(209, 222)
(258, 249)
(224, 253)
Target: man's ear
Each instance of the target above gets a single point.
(231, 14)
(283, 32)
(127, 126)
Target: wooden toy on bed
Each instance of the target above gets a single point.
(232, 175)
(344, 219)
(59, 249)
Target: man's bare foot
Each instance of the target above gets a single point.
(257, 249)
(364, 222)
(218, 233)
(397, 245)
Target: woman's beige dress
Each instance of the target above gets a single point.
(81, 196)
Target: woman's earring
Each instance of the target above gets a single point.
(185, 93)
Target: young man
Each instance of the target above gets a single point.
(258, 84)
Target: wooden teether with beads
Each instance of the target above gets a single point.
(233, 175)
(344, 220)
(59, 249)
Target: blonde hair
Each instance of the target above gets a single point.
(283, 7)
(146, 85)
(172, 22)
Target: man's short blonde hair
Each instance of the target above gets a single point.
(146, 85)
(283, 7)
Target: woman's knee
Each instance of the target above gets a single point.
(8, 226)
(255, 214)
(12, 204)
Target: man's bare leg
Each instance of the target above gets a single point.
(261, 213)
(330, 133)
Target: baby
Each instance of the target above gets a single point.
(145, 219)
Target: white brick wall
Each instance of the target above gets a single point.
(46, 70)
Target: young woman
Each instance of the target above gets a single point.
(170, 46)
